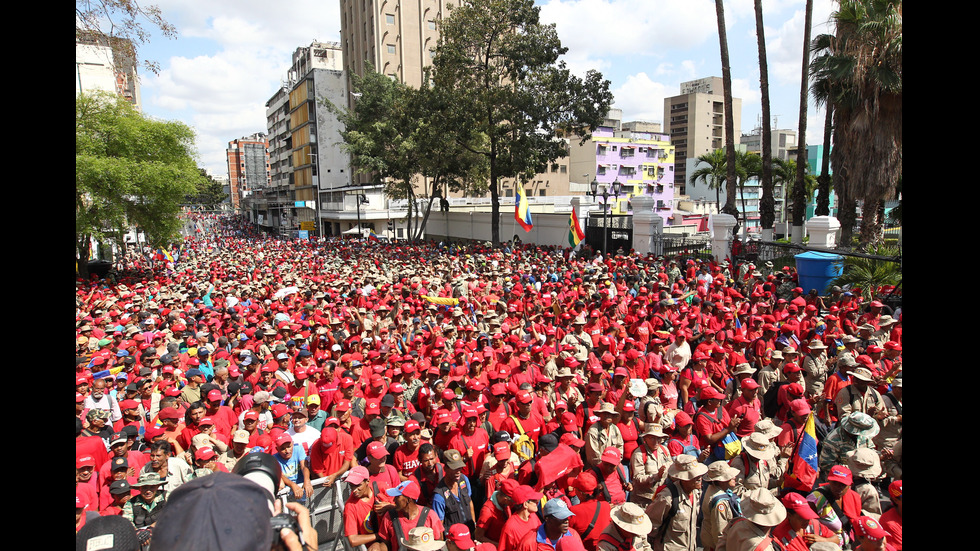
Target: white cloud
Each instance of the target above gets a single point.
(602, 28)
(641, 98)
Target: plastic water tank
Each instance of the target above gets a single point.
(817, 270)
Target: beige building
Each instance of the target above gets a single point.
(782, 143)
(396, 37)
(695, 120)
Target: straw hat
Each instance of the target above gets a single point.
(631, 518)
(762, 508)
(757, 445)
(686, 467)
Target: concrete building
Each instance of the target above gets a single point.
(641, 160)
(248, 167)
(396, 37)
(782, 144)
(100, 66)
(695, 121)
(310, 172)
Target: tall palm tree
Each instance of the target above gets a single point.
(823, 188)
(785, 172)
(767, 203)
(862, 63)
(726, 76)
(712, 170)
(799, 199)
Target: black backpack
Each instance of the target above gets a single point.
(770, 402)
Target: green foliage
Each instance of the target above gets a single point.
(870, 273)
(129, 171)
(713, 171)
(399, 134)
(209, 193)
(508, 98)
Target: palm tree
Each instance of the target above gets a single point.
(799, 199)
(823, 194)
(726, 76)
(785, 172)
(747, 167)
(767, 204)
(862, 66)
(870, 273)
(712, 171)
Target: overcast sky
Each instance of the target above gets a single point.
(230, 57)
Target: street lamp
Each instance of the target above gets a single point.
(361, 200)
(616, 186)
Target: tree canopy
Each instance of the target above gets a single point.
(209, 193)
(122, 25)
(129, 171)
(508, 98)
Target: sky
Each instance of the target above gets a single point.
(229, 57)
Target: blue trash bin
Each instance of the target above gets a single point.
(817, 270)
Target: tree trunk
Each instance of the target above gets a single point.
(726, 75)
(767, 203)
(425, 220)
(823, 181)
(871, 225)
(745, 215)
(799, 194)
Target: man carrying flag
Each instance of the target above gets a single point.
(575, 234)
(798, 441)
(522, 214)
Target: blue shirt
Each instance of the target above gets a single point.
(291, 467)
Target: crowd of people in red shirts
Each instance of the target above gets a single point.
(512, 398)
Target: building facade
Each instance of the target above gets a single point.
(641, 161)
(100, 66)
(248, 167)
(782, 145)
(695, 121)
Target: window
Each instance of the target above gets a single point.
(563, 169)
(601, 170)
(432, 25)
(391, 48)
(627, 170)
(389, 19)
(541, 192)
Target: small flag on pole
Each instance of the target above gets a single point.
(575, 234)
(521, 213)
(803, 468)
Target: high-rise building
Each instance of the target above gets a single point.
(782, 143)
(106, 64)
(695, 120)
(308, 166)
(248, 167)
(395, 37)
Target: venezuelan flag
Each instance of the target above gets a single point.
(166, 254)
(575, 233)
(803, 463)
(521, 213)
(372, 236)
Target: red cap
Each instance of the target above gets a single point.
(377, 450)
(459, 534)
(840, 473)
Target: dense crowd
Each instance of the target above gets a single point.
(517, 398)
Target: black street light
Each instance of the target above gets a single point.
(361, 200)
(616, 186)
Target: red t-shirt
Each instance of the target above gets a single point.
(514, 531)
(387, 530)
(326, 461)
(479, 442)
(891, 521)
(532, 426)
(406, 461)
(492, 520)
(710, 422)
(357, 513)
(785, 535)
(584, 512)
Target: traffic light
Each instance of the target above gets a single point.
(391, 225)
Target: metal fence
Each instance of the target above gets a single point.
(687, 248)
(618, 231)
(784, 254)
(327, 514)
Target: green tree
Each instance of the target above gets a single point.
(859, 70)
(748, 166)
(129, 171)
(712, 170)
(120, 24)
(510, 99)
(399, 135)
(209, 193)
(785, 172)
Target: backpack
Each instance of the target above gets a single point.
(523, 445)
(671, 487)
(770, 402)
(728, 447)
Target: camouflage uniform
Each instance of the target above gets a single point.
(836, 446)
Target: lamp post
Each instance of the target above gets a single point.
(361, 200)
(605, 205)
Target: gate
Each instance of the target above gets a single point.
(618, 232)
